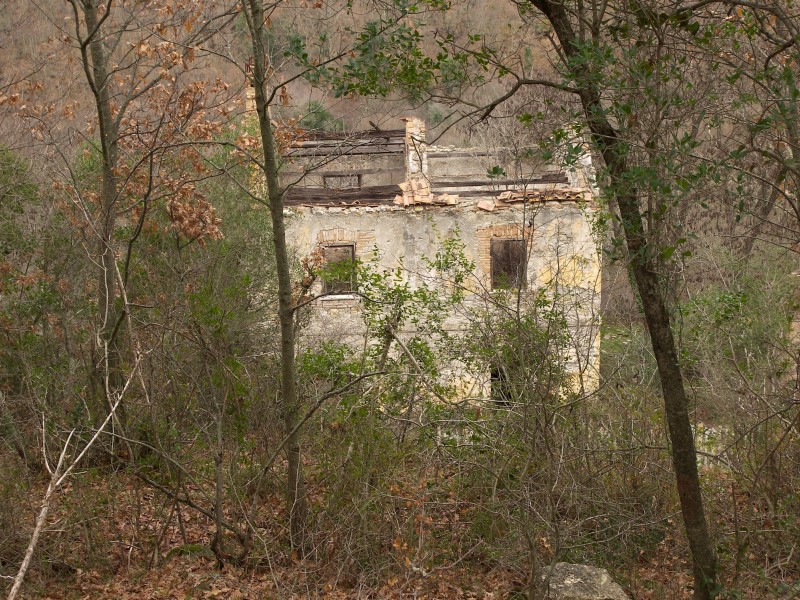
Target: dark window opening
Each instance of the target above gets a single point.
(509, 259)
(500, 386)
(342, 182)
(339, 274)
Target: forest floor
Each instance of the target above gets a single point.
(185, 577)
(189, 571)
(184, 567)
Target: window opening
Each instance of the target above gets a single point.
(500, 385)
(338, 276)
(509, 260)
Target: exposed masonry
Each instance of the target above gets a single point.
(410, 196)
(502, 231)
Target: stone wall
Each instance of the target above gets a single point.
(562, 255)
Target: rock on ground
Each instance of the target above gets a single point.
(583, 582)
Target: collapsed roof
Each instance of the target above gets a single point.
(397, 168)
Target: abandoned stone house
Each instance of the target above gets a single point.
(387, 196)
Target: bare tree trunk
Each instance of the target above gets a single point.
(57, 477)
(296, 496)
(95, 62)
(684, 455)
(217, 541)
(763, 209)
(41, 519)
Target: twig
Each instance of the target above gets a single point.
(56, 479)
(40, 521)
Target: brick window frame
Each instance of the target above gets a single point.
(508, 263)
(506, 231)
(362, 242)
(343, 281)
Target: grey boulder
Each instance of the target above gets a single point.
(583, 582)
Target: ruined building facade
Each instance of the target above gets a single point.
(388, 198)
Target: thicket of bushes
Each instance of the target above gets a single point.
(404, 476)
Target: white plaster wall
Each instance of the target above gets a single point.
(563, 256)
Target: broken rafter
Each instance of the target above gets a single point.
(346, 149)
(374, 195)
(517, 183)
(369, 134)
(418, 194)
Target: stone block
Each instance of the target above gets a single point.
(582, 582)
